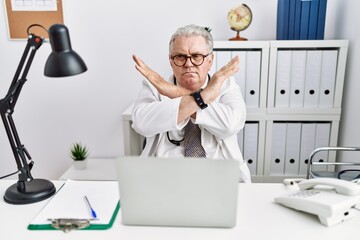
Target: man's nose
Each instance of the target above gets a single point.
(188, 62)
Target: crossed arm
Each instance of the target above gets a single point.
(188, 106)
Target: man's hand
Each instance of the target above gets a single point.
(164, 88)
(212, 90)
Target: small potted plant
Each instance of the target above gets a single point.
(79, 154)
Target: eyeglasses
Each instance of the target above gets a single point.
(196, 59)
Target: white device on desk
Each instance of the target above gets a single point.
(332, 200)
(188, 192)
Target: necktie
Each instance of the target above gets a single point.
(192, 141)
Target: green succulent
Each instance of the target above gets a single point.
(79, 152)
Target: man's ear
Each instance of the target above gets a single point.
(170, 61)
(211, 59)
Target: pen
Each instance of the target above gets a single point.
(93, 213)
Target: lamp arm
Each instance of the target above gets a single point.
(20, 153)
(7, 105)
(33, 44)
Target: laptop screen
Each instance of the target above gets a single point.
(194, 192)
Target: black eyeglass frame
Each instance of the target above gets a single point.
(191, 58)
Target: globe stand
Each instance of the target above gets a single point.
(238, 38)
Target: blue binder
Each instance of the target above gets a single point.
(282, 20)
(304, 21)
(292, 6)
(297, 19)
(321, 19)
(313, 19)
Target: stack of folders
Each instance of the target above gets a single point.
(292, 143)
(95, 201)
(305, 78)
(301, 19)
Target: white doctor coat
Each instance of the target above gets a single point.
(154, 115)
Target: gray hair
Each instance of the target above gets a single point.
(193, 30)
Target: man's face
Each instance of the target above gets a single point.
(190, 76)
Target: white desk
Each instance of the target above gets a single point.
(258, 218)
(96, 169)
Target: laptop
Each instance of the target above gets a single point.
(182, 192)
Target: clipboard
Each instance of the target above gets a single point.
(68, 209)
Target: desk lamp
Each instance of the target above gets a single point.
(62, 62)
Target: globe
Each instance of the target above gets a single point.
(239, 18)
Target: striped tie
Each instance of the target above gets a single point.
(192, 141)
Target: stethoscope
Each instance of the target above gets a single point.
(173, 141)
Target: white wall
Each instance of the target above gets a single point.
(51, 114)
(348, 12)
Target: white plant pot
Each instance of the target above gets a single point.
(80, 165)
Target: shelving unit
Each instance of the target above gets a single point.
(259, 76)
(319, 113)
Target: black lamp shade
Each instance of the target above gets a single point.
(63, 61)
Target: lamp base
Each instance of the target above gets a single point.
(33, 191)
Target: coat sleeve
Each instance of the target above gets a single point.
(227, 114)
(154, 113)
